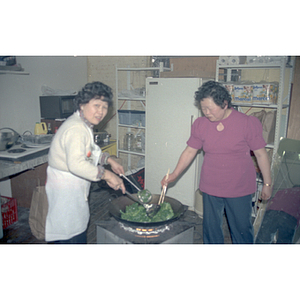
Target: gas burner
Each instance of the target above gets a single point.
(16, 150)
(112, 231)
(18, 153)
(145, 230)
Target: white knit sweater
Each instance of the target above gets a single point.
(70, 148)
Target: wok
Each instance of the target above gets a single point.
(120, 203)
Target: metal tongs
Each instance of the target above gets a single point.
(139, 194)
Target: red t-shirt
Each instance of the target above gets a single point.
(228, 170)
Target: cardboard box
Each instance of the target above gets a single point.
(265, 92)
(9, 211)
(243, 93)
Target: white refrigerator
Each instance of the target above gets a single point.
(170, 112)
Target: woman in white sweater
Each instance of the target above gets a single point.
(74, 161)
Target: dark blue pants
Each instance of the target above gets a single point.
(77, 239)
(238, 212)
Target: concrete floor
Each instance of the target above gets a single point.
(19, 233)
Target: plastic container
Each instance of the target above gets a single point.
(37, 139)
(40, 128)
(132, 117)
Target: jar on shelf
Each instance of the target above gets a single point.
(138, 142)
(129, 141)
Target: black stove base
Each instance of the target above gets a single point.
(114, 232)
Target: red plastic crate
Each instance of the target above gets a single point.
(9, 211)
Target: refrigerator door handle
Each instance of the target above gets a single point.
(192, 120)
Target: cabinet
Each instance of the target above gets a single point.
(23, 184)
(131, 115)
(284, 76)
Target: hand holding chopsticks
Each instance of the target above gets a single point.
(163, 192)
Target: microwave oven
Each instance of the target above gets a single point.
(56, 107)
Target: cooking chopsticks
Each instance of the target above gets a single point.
(163, 192)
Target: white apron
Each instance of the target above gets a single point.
(68, 212)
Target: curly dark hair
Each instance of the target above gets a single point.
(93, 90)
(214, 90)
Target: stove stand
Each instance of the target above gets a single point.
(114, 232)
(21, 153)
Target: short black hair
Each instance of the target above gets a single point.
(216, 91)
(94, 90)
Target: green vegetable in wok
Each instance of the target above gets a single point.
(137, 213)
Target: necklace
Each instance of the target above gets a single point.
(220, 126)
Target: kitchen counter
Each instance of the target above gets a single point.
(8, 168)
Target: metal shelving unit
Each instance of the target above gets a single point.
(283, 101)
(142, 99)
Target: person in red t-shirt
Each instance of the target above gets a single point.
(228, 177)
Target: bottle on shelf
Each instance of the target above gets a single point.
(129, 141)
(49, 129)
(140, 141)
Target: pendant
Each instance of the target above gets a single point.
(220, 127)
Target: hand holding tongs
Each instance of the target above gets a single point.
(121, 175)
(163, 192)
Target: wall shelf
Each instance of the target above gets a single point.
(131, 99)
(13, 72)
(132, 126)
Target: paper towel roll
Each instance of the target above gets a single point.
(233, 60)
(223, 60)
(255, 60)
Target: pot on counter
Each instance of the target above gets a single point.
(7, 139)
(101, 137)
